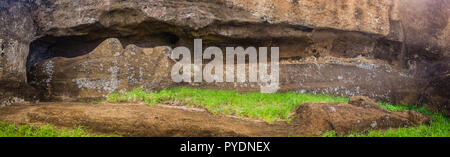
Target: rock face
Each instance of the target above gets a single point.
(424, 30)
(109, 68)
(360, 114)
(16, 33)
(390, 50)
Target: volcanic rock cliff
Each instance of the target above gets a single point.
(390, 50)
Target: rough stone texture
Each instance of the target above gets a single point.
(16, 33)
(316, 118)
(349, 15)
(99, 73)
(362, 101)
(401, 47)
(109, 68)
(426, 27)
(352, 15)
(339, 76)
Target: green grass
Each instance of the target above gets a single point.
(278, 106)
(13, 130)
(268, 107)
(439, 126)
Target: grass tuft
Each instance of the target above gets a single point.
(13, 130)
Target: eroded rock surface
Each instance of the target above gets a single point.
(359, 115)
(109, 68)
(16, 33)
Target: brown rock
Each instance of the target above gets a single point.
(416, 117)
(362, 101)
(316, 118)
(108, 68)
(16, 33)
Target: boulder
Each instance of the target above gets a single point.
(316, 118)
